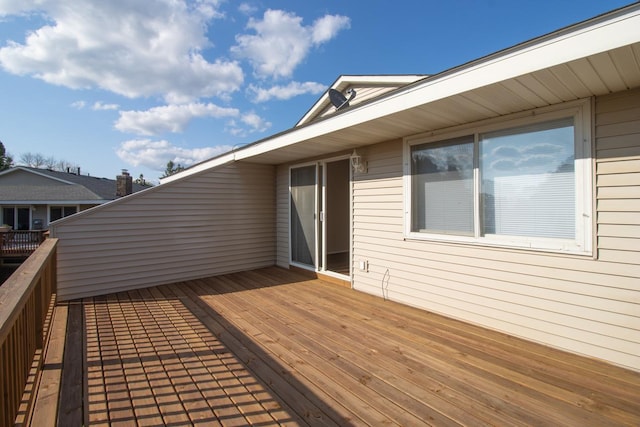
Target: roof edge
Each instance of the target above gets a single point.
(412, 90)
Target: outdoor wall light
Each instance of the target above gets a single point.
(357, 163)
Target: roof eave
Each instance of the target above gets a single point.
(601, 34)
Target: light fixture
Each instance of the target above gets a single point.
(357, 163)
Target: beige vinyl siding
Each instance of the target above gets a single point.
(577, 303)
(618, 177)
(282, 226)
(216, 222)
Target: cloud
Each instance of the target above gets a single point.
(325, 28)
(135, 49)
(504, 165)
(169, 118)
(543, 148)
(285, 92)
(247, 9)
(255, 122)
(252, 120)
(155, 154)
(506, 151)
(281, 42)
(537, 160)
(79, 104)
(99, 106)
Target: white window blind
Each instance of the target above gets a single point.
(443, 178)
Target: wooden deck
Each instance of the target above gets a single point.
(274, 347)
(20, 243)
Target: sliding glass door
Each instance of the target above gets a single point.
(320, 216)
(303, 201)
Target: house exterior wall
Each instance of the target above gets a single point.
(584, 304)
(216, 222)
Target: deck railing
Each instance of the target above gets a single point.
(20, 243)
(27, 299)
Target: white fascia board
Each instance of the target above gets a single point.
(345, 81)
(378, 79)
(582, 43)
(591, 39)
(612, 34)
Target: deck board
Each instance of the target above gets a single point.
(272, 346)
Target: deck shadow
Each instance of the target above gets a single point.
(163, 354)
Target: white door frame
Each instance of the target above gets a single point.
(320, 261)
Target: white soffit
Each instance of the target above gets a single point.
(603, 53)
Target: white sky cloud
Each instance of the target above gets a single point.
(252, 120)
(281, 42)
(286, 92)
(79, 104)
(255, 122)
(135, 49)
(155, 154)
(170, 58)
(247, 8)
(326, 28)
(100, 106)
(169, 118)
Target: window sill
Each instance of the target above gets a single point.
(553, 247)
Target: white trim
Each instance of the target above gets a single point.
(345, 81)
(315, 249)
(320, 229)
(582, 244)
(324, 270)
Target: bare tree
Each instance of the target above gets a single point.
(34, 160)
(50, 163)
(65, 166)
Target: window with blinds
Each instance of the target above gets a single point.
(523, 183)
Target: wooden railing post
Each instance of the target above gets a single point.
(25, 301)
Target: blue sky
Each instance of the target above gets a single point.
(132, 84)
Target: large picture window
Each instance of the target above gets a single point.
(522, 183)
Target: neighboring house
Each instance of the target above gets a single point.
(31, 198)
(504, 192)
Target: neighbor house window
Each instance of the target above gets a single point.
(58, 212)
(523, 183)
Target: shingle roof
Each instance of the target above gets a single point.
(72, 187)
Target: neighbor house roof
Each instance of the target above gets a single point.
(595, 57)
(48, 186)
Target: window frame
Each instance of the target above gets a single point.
(63, 207)
(581, 112)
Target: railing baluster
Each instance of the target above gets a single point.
(24, 301)
(20, 243)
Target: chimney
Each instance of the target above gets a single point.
(124, 184)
